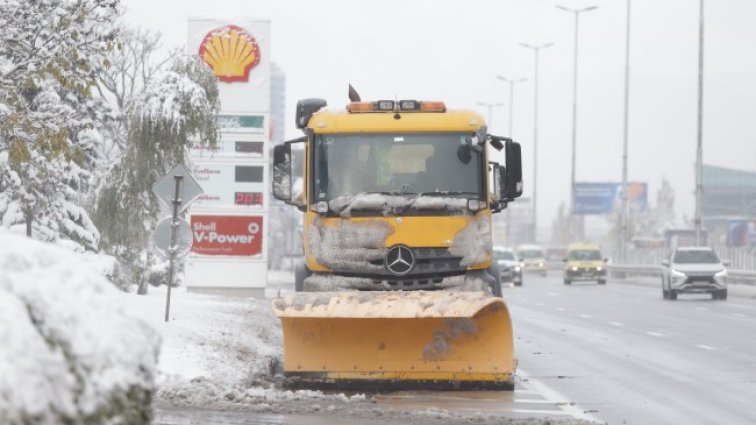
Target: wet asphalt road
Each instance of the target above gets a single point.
(616, 353)
(627, 356)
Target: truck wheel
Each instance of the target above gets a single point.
(301, 272)
(496, 284)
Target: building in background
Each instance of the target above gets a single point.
(729, 206)
(277, 105)
(230, 220)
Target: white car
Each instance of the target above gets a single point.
(509, 265)
(694, 270)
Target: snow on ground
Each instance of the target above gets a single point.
(224, 354)
(70, 352)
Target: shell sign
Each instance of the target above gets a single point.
(231, 52)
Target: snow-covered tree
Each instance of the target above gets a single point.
(135, 61)
(176, 109)
(50, 53)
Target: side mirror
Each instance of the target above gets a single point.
(283, 179)
(665, 263)
(512, 187)
(282, 172)
(305, 109)
(497, 202)
(726, 263)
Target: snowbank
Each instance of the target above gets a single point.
(70, 352)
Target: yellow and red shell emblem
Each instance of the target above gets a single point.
(231, 52)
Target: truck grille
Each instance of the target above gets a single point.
(429, 263)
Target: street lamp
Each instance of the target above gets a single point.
(624, 212)
(577, 13)
(536, 50)
(511, 82)
(490, 107)
(699, 142)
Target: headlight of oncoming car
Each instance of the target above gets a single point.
(598, 269)
(517, 268)
(574, 268)
(677, 273)
(721, 273)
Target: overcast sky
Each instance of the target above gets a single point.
(452, 51)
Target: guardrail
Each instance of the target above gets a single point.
(622, 271)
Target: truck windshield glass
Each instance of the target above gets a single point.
(397, 164)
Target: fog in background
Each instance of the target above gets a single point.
(452, 50)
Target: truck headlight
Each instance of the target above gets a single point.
(321, 207)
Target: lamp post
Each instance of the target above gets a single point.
(624, 212)
(699, 141)
(511, 83)
(490, 107)
(577, 13)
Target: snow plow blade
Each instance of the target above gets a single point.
(396, 340)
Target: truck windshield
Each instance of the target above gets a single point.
(396, 164)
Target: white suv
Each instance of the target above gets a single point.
(694, 270)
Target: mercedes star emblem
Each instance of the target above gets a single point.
(400, 260)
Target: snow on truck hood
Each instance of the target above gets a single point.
(360, 245)
(395, 204)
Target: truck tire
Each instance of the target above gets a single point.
(496, 284)
(301, 272)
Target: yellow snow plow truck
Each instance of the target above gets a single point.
(398, 290)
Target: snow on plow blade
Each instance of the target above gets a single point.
(396, 340)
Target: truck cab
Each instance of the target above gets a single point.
(397, 195)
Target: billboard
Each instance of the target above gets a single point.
(229, 235)
(605, 198)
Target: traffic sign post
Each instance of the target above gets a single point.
(185, 190)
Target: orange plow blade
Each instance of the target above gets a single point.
(396, 340)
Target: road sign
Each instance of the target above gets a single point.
(183, 237)
(189, 189)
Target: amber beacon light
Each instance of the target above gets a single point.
(231, 52)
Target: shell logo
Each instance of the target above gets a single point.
(231, 52)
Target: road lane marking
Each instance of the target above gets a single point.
(553, 396)
(540, 412)
(585, 316)
(656, 334)
(532, 401)
(616, 324)
(706, 347)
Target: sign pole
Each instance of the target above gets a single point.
(172, 249)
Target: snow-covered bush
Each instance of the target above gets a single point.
(71, 351)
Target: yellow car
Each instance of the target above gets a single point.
(584, 263)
